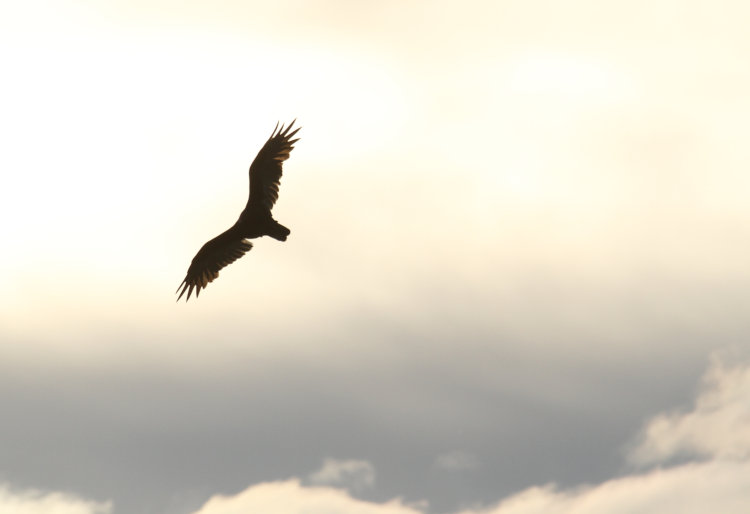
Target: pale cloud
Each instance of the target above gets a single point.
(290, 497)
(718, 425)
(354, 474)
(456, 461)
(32, 501)
(689, 489)
(598, 172)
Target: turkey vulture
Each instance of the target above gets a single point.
(255, 220)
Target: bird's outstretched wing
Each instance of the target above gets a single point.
(219, 252)
(265, 171)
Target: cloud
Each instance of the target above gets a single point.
(718, 426)
(456, 461)
(570, 169)
(289, 497)
(32, 501)
(689, 489)
(354, 474)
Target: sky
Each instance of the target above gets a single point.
(516, 280)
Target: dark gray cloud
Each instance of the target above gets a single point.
(163, 436)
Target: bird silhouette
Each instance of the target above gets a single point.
(254, 221)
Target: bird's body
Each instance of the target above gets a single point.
(254, 221)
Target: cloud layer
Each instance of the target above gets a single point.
(289, 497)
(688, 489)
(716, 429)
(516, 234)
(30, 501)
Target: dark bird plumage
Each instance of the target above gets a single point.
(254, 221)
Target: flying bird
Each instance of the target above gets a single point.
(254, 221)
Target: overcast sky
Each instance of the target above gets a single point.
(517, 279)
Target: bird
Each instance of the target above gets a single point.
(254, 221)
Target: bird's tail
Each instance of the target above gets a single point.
(278, 231)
